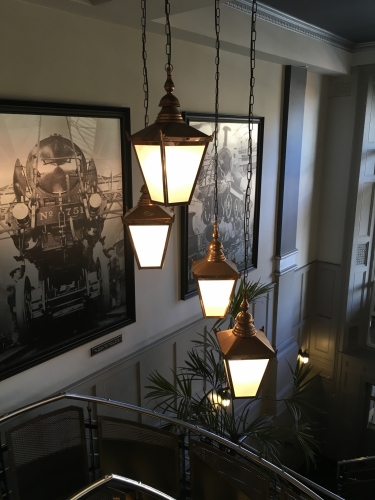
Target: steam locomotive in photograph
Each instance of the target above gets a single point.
(56, 222)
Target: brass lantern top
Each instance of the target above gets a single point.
(244, 341)
(147, 212)
(214, 264)
(169, 126)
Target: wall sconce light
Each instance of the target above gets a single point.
(303, 356)
(221, 397)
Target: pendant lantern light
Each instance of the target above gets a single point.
(215, 276)
(170, 152)
(246, 351)
(148, 225)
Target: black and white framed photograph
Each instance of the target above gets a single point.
(196, 219)
(66, 266)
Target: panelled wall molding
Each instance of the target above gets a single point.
(285, 263)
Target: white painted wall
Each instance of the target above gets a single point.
(51, 55)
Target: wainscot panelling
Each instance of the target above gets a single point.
(303, 304)
(324, 330)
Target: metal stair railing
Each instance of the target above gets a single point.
(122, 484)
(351, 466)
(238, 448)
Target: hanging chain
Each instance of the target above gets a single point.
(250, 141)
(217, 76)
(144, 57)
(168, 46)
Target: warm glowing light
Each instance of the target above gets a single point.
(303, 356)
(225, 402)
(182, 164)
(215, 297)
(149, 242)
(246, 375)
(220, 398)
(150, 161)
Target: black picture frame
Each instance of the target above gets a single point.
(196, 228)
(66, 263)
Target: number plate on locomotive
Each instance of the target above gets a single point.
(51, 215)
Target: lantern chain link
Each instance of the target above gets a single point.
(250, 140)
(144, 57)
(168, 46)
(216, 132)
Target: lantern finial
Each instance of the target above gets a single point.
(215, 248)
(145, 196)
(244, 326)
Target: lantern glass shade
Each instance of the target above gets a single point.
(149, 227)
(215, 296)
(149, 158)
(216, 278)
(182, 165)
(170, 171)
(246, 375)
(149, 255)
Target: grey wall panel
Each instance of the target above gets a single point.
(370, 162)
(366, 209)
(358, 295)
(371, 129)
(116, 386)
(324, 332)
(322, 338)
(291, 144)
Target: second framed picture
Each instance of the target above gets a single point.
(197, 218)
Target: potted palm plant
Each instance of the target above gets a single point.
(212, 407)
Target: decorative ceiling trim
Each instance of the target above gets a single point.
(363, 47)
(291, 23)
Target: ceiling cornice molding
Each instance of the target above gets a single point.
(291, 23)
(363, 47)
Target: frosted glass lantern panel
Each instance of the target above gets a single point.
(182, 164)
(149, 243)
(247, 374)
(215, 295)
(149, 158)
